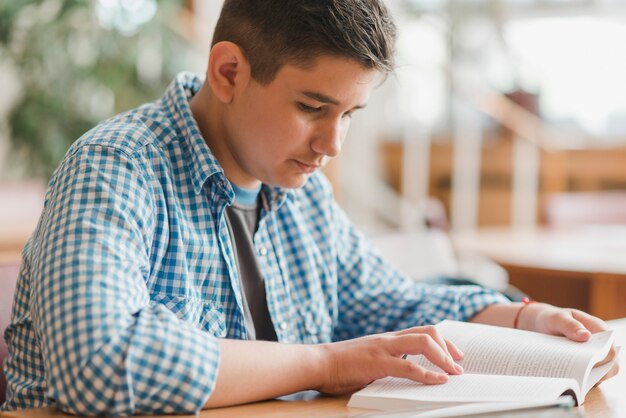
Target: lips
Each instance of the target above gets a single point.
(306, 167)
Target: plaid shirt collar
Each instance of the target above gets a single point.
(201, 163)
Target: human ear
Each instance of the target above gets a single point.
(228, 69)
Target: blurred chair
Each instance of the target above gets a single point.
(20, 207)
(8, 278)
(426, 253)
(584, 208)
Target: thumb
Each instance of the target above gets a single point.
(573, 329)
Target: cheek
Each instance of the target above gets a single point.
(266, 127)
(253, 129)
(266, 119)
(284, 133)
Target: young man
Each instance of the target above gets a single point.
(178, 236)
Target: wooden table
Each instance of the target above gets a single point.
(583, 268)
(606, 401)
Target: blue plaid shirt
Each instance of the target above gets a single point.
(129, 279)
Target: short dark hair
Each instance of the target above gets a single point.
(272, 33)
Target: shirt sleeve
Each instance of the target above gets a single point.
(107, 349)
(373, 297)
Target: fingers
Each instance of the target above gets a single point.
(572, 323)
(427, 346)
(448, 347)
(576, 331)
(609, 357)
(578, 326)
(409, 370)
(454, 351)
(590, 322)
(614, 370)
(352, 364)
(562, 321)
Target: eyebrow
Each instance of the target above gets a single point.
(322, 98)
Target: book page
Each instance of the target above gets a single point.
(598, 373)
(471, 388)
(506, 351)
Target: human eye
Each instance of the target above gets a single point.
(308, 109)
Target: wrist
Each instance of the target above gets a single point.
(525, 302)
(322, 365)
(527, 316)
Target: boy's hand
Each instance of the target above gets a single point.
(571, 323)
(352, 364)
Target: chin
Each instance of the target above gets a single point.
(294, 182)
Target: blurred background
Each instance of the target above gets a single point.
(501, 134)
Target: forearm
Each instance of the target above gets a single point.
(255, 370)
(499, 314)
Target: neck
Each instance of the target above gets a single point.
(208, 112)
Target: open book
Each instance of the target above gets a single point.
(504, 369)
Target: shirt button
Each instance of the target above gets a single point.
(283, 326)
(263, 251)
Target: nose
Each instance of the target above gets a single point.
(328, 141)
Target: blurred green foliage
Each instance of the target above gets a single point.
(74, 69)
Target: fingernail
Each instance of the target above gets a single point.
(442, 378)
(458, 368)
(582, 332)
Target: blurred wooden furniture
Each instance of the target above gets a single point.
(605, 401)
(20, 208)
(8, 279)
(577, 170)
(579, 208)
(581, 268)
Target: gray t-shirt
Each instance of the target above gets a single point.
(242, 218)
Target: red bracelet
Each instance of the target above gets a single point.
(526, 302)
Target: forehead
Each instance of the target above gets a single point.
(340, 78)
